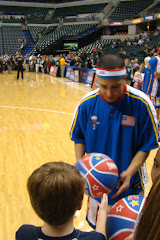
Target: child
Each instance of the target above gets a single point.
(56, 191)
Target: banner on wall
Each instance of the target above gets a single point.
(76, 75)
(72, 75)
(83, 75)
(116, 23)
(68, 71)
(147, 18)
(137, 20)
(53, 70)
(90, 76)
(95, 83)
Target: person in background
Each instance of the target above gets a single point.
(129, 70)
(62, 65)
(19, 62)
(27, 63)
(48, 65)
(90, 62)
(1, 64)
(53, 63)
(9, 65)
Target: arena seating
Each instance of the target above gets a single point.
(155, 9)
(50, 29)
(129, 9)
(1, 43)
(11, 34)
(35, 13)
(134, 51)
(100, 43)
(34, 32)
(64, 31)
(73, 11)
(47, 1)
(131, 51)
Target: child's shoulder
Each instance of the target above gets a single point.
(26, 232)
(91, 235)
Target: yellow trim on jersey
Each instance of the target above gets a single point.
(89, 98)
(149, 84)
(141, 178)
(153, 123)
(74, 123)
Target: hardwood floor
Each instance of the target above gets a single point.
(35, 118)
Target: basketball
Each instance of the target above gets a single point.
(122, 217)
(100, 174)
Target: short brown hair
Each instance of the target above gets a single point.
(111, 62)
(56, 190)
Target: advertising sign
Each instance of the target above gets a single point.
(72, 75)
(95, 83)
(68, 71)
(147, 18)
(90, 76)
(53, 70)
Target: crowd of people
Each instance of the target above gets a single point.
(43, 63)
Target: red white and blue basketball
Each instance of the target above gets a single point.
(100, 174)
(122, 217)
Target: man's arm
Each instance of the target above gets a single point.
(79, 150)
(125, 176)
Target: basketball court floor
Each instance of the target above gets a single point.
(35, 118)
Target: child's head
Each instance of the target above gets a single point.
(156, 166)
(56, 191)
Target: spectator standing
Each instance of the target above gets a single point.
(9, 65)
(129, 70)
(27, 63)
(62, 66)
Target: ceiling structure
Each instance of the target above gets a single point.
(44, 1)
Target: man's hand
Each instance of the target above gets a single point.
(123, 183)
(157, 74)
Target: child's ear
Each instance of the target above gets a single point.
(80, 206)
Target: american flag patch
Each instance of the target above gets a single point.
(127, 120)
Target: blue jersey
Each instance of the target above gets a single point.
(151, 83)
(30, 232)
(118, 129)
(146, 88)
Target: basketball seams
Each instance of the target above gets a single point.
(84, 166)
(90, 173)
(93, 168)
(120, 231)
(121, 217)
(99, 184)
